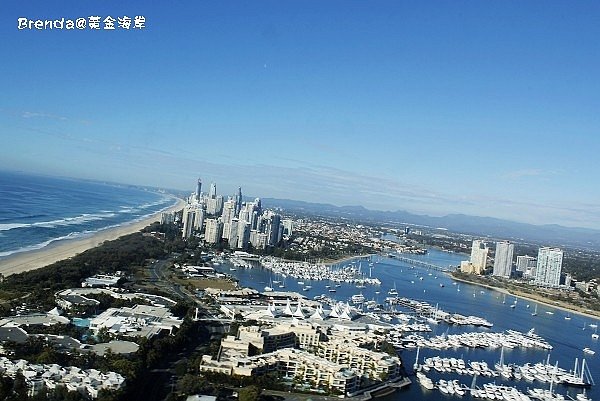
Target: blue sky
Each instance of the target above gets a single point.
(485, 108)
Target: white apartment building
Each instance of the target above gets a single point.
(549, 267)
(503, 259)
(213, 231)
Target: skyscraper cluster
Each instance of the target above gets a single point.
(240, 223)
(545, 270)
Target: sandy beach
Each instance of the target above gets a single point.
(60, 250)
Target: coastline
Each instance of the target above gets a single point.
(25, 261)
(533, 298)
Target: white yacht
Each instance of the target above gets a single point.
(589, 351)
(358, 298)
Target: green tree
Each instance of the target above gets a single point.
(20, 386)
(250, 393)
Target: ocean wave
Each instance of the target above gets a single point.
(29, 216)
(82, 234)
(35, 247)
(67, 221)
(142, 207)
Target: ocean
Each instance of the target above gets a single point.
(567, 336)
(36, 211)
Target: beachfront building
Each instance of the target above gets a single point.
(549, 267)
(503, 259)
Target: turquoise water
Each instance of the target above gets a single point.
(81, 322)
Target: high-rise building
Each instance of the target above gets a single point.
(198, 189)
(549, 266)
(503, 259)
(246, 212)
(526, 265)
(288, 226)
(213, 231)
(479, 254)
(228, 211)
(272, 230)
(243, 234)
(189, 217)
(198, 218)
(214, 206)
(233, 233)
(258, 205)
(238, 201)
(212, 193)
(258, 239)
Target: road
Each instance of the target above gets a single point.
(159, 276)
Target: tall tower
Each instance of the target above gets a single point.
(198, 189)
(212, 194)
(503, 259)
(549, 266)
(479, 253)
(238, 201)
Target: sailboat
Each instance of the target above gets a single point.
(535, 311)
(568, 317)
(393, 291)
(595, 335)
(269, 288)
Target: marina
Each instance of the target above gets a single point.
(412, 311)
(306, 271)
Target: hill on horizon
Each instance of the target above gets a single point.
(548, 234)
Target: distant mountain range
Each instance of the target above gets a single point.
(549, 234)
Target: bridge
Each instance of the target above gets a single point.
(416, 262)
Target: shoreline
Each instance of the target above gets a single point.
(64, 249)
(533, 298)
